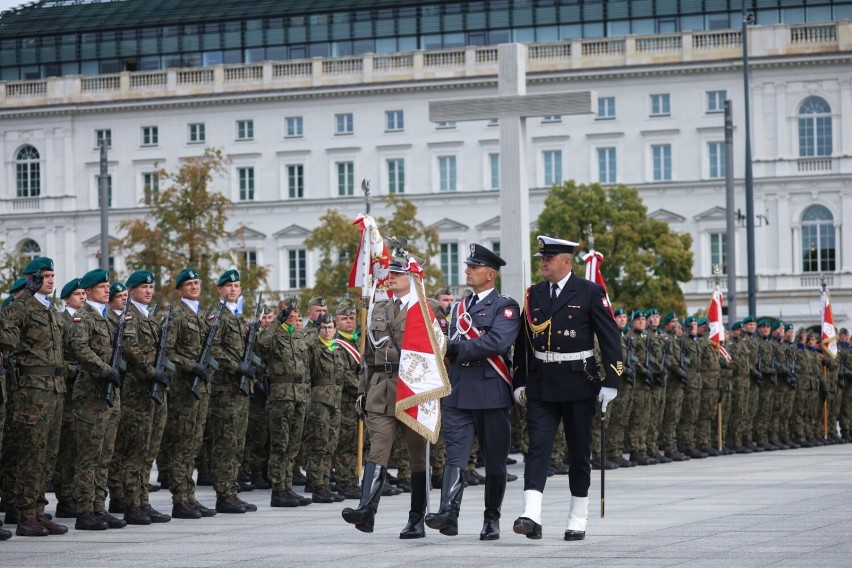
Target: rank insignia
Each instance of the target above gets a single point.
(618, 367)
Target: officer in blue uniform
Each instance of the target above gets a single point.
(483, 328)
(558, 377)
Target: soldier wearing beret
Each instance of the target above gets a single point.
(559, 377)
(710, 369)
(844, 360)
(738, 350)
(622, 407)
(687, 428)
(115, 478)
(767, 365)
(675, 388)
(32, 331)
(787, 390)
(187, 415)
(643, 389)
(661, 354)
(750, 337)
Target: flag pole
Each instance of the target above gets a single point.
(362, 346)
(593, 278)
(823, 297)
(717, 272)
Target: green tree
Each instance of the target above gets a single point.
(643, 259)
(12, 262)
(186, 227)
(422, 241)
(337, 240)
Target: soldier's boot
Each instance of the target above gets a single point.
(404, 484)
(185, 510)
(12, 517)
(117, 506)
(446, 520)
(112, 522)
(284, 499)
(350, 492)
(414, 527)
(52, 528)
(229, 505)
(696, 454)
(244, 481)
(641, 458)
(389, 490)
(5, 535)
(371, 492)
(529, 523)
(31, 527)
(156, 516)
(675, 455)
(258, 481)
(66, 510)
(495, 489)
(89, 522)
(249, 507)
(135, 515)
(578, 514)
(205, 511)
(204, 479)
(322, 494)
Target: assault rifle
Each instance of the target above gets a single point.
(649, 360)
(206, 360)
(790, 357)
(116, 362)
(661, 376)
(773, 364)
(162, 362)
(251, 360)
(684, 362)
(629, 368)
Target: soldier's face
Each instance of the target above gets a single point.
(790, 334)
(764, 330)
(555, 268)
(293, 319)
(49, 282)
(230, 291)
(693, 328)
(327, 330)
(143, 293)
(479, 277)
(99, 293)
(314, 312)
(750, 327)
(736, 333)
(266, 319)
(191, 289)
(118, 301)
(844, 338)
(76, 299)
(621, 320)
(445, 300)
(639, 323)
(346, 323)
(398, 283)
(654, 320)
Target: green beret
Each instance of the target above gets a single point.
(637, 314)
(737, 325)
(38, 264)
(669, 317)
(652, 312)
(93, 278)
(228, 276)
(748, 319)
(69, 288)
(689, 320)
(619, 311)
(18, 285)
(702, 321)
(776, 324)
(116, 288)
(789, 326)
(140, 277)
(7, 301)
(316, 301)
(764, 321)
(184, 275)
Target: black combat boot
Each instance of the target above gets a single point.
(66, 510)
(156, 516)
(229, 505)
(89, 522)
(5, 535)
(112, 522)
(30, 527)
(495, 489)
(414, 526)
(52, 528)
(446, 519)
(135, 515)
(117, 505)
(371, 491)
(185, 510)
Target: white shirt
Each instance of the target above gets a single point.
(71, 311)
(403, 300)
(42, 298)
(561, 285)
(194, 304)
(141, 307)
(98, 307)
(482, 295)
(232, 306)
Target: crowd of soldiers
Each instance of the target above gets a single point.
(772, 388)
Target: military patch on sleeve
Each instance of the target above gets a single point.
(508, 313)
(77, 320)
(128, 318)
(211, 317)
(604, 302)
(618, 367)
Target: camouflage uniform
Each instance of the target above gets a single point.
(832, 405)
(750, 434)
(767, 367)
(256, 453)
(740, 383)
(788, 395)
(691, 399)
(345, 457)
(619, 410)
(675, 388)
(844, 354)
(805, 383)
(642, 390)
(705, 428)
(63, 477)
(90, 341)
(661, 344)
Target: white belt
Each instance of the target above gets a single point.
(552, 357)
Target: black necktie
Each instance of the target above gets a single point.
(472, 301)
(554, 293)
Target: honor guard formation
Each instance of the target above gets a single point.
(98, 392)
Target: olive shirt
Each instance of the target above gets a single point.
(90, 341)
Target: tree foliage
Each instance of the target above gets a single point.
(423, 241)
(186, 228)
(643, 259)
(12, 263)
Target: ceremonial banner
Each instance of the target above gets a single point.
(370, 269)
(422, 379)
(715, 327)
(829, 334)
(593, 260)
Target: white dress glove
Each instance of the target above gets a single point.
(606, 396)
(520, 395)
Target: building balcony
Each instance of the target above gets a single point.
(470, 62)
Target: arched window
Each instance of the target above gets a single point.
(29, 249)
(814, 128)
(28, 172)
(818, 240)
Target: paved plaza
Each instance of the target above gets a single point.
(786, 509)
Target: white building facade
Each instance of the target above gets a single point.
(302, 135)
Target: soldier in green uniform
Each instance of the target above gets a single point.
(691, 394)
(780, 389)
(345, 458)
(619, 410)
(115, 477)
(283, 349)
(677, 375)
(749, 335)
(767, 362)
(90, 340)
(661, 345)
(187, 415)
(32, 330)
(844, 378)
(740, 380)
(726, 382)
(228, 406)
(815, 418)
(787, 391)
(256, 456)
(831, 370)
(643, 386)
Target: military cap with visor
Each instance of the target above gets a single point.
(481, 256)
(548, 246)
(317, 301)
(398, 264)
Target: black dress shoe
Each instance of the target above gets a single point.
(205, 512)
(511, 477)
(112, 522)
(185, 510)
(156, 516)
(117, 505)
(575, 535)
(136, 516)
(527, 527)
(52, 528)
(90, 522)
(249, 507)
(229, 505)
(31, 527)
(66, 510)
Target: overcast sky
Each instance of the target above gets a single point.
(4, 4)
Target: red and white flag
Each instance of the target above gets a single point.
(370, 269)
(829, 334)
(593, 260)
(422, 379)
(716, 327)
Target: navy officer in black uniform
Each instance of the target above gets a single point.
(558, 378)
(483, 328)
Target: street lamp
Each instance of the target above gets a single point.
(748, 18)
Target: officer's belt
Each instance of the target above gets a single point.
(285, 379)
(553, 357)
(42, 370)
(385, 368)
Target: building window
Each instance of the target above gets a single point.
(345, 178)
(344, 123)
(551, 118)
(151, 188)
(552, 167)
(196, 133)
(719, 251)
(660, 105)
(29, 249)
(716, 101)
(28, 172)
(606, 107)
(396, 175)
(819, 251)
(494, 171)
(246, 180)
(447, 173)
(606, 165)
(109, 190)
(449, 125)
(450, 263)
(248, 258)
(814, 128)
(716, 152)
(295, 127)
(662, 157)
(491, 122)
(298, 268)
(245, 130)
(495, 247)
(104, 135)
(394, 121)
(150, 135)
(296, 181)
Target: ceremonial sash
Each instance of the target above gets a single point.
(465, 326)
(349, 349)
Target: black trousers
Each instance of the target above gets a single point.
(542, 423)
(492, 427)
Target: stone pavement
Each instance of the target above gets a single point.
(786, 509)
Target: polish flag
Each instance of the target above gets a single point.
(370, 269)
(593, 260)
(715, 325)
(829, 334)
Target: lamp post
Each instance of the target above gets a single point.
(748, 18)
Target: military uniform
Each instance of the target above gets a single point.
(345, 457)
(677, 378)
(643, 386)
(844, 377)
(706, 427)
(767, 361)
(661, 345)
(622, 407)
(740, 382)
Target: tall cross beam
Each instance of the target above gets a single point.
(513, 106)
